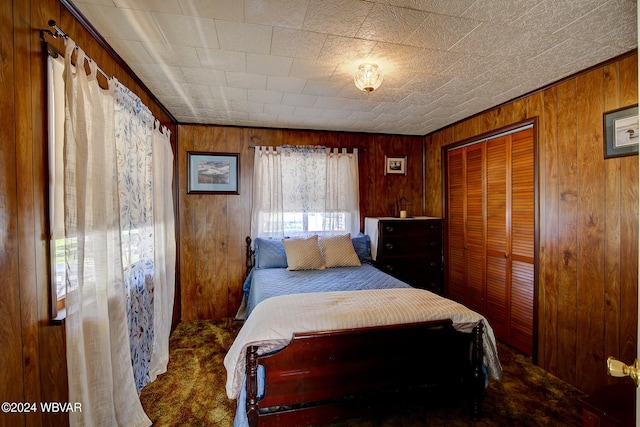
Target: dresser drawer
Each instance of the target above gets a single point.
(410, 228)
(425, 273)
(395, 245)
(417, 265)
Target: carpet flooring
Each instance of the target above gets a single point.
(192, 391)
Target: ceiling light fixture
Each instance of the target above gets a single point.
(368, 77)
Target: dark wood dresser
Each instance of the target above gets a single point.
(409, 249)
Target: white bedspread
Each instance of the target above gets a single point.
(273, 322)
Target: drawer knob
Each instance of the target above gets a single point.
(389, 267)
(389, 245)
(389, 228)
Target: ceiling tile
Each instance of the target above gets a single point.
(228, 10)
(298, 99)
(166, 6)
(286, 84)
(223, 60)
(616, 17)
(158, 72)
(443, 7)
(343, 49)
(550, 16)
(278, 13)
(296, 43)
(310, 69)
(500, 11)
(324, 88)
(265, 96)
(128, 24)
(441, 32)
(204, 76)
(247, 107)
(246, 80)
(187, 30)
(390, 24)
(244, 37)
(182, 56)
(228, 94)
(279, 109)
(131, 51)
(269, 65)
(336, 17)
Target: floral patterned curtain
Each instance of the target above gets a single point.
(133, 136)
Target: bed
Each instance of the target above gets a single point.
(340, 339)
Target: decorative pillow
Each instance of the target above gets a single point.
(362, 246)
(270, 253)
(338, 251)
(303, 254)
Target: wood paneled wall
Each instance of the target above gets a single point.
(32, 359)
(213, 228)
(588, 219)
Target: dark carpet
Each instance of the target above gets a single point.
(192, 391)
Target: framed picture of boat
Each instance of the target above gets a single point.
(215, 173)
(621, 132)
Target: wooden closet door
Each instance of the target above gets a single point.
(474, 242)
(491, 233)
(465, 222)
(522, 244)
(456, 202)
(497, 252)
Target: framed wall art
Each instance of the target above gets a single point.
(394, 165)
(215, 173)
(621, 132)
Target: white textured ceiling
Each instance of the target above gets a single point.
(290, 63)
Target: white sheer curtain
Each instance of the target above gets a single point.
(305, 190)
(98, 356)
(165, 253)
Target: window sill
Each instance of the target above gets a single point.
(59, 319)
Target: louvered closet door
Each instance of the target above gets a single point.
(490, 234)
(474, 236)
(465, 221)
(456, 201)
(497, 253)
(522, 241)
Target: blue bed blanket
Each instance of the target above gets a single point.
(263, 283)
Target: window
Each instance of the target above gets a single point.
(305, 190)
(55, 94)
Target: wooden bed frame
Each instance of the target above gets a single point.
(327, 376)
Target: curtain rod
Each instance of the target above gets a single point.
(339, 148)
(59, 32)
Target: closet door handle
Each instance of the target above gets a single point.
(506, 255)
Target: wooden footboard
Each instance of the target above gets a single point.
(326, 376)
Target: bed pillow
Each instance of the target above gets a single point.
(270, 253)
(303, 254)
(338, 251)
(362, 246)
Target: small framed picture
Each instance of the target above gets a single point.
(395, 165)
(213, 173)
(621, 132)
